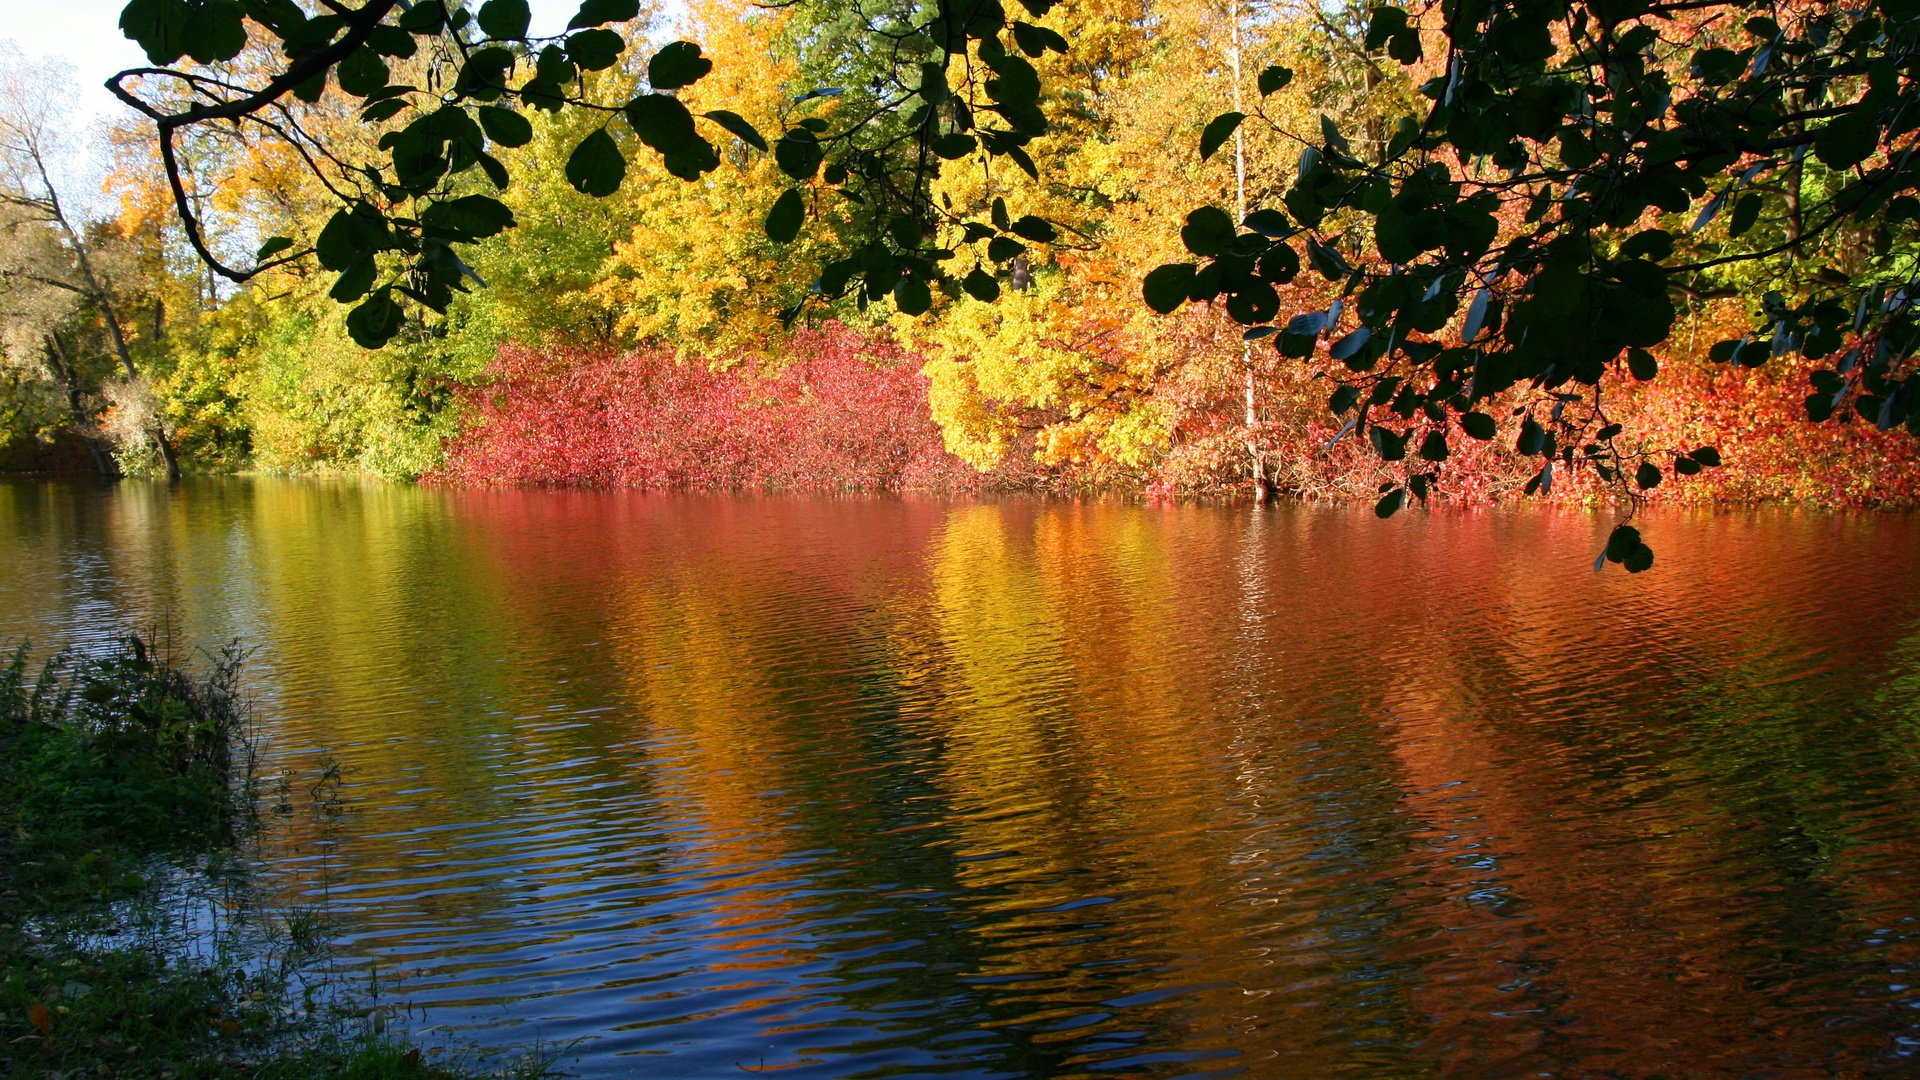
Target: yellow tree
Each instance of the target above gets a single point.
(697, 271)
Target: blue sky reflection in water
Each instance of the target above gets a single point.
(867, 787)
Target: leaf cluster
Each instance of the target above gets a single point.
(1539, 224)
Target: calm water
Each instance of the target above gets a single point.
(875, 788)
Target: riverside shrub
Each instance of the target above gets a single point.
(844, 411)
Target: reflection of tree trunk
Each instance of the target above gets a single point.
(63, 366)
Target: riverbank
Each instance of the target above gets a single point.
(131, 943)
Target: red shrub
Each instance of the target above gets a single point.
(847, 412)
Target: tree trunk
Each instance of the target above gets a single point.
(82, 423)
(97, 292)
(159, 431)
(1256, 461)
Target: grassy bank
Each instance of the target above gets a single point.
(126, 804)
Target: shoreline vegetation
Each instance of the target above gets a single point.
(132, 942)
(654, 333)
(846, 409)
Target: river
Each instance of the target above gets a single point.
(698, 786)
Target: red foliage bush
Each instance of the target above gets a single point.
(847, 411)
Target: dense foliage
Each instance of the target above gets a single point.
(1587, 251)
(842, 413)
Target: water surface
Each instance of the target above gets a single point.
(844, 787)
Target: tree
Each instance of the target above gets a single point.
(1569, 183)
(1526, 237)
(81, 265)
(404, 219)
(38, 338)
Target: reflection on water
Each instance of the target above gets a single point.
(862, 788)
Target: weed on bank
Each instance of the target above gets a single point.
(126, 800)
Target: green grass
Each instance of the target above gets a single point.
(121, 776)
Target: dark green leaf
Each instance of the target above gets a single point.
(1273, 78)
(474, 216)
(981, 285)
(783, 221)
(663, 123)
(1218, 131)
(596, 167)
(1847, 140)
(1389, 444)
(798, 153)
(215, 31)
(391, 41)
(1532, 439)
(504, 126)
(593, 50)
(160, 27)
(1386, 22)
(1647, 475)
(600, 12)
(1166, 287)
(363, 72)
(1208, 231)
(1745, 213)
(423, 18)
(504, 19)
(1036, 40)
(1269, 223)
(1326, 260)
(1350, 345)
(375, 321)
(348, 235)
(1707, 456)
(1024, 160)
(382, 111)
(496, 172)
(1623, 539)
(954, 145)
(1390, 503)
(1639, 560)
(1254, 302)
(738, 125)
(676, 65)
(1039, 230)
(274, 246)
(353, 282)
(912, 296)
(1642, 364)
(1479, 425)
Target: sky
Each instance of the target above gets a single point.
(85, 35)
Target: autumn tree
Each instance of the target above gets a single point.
(1531, 232)
(30, 130)
(1485, 261)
